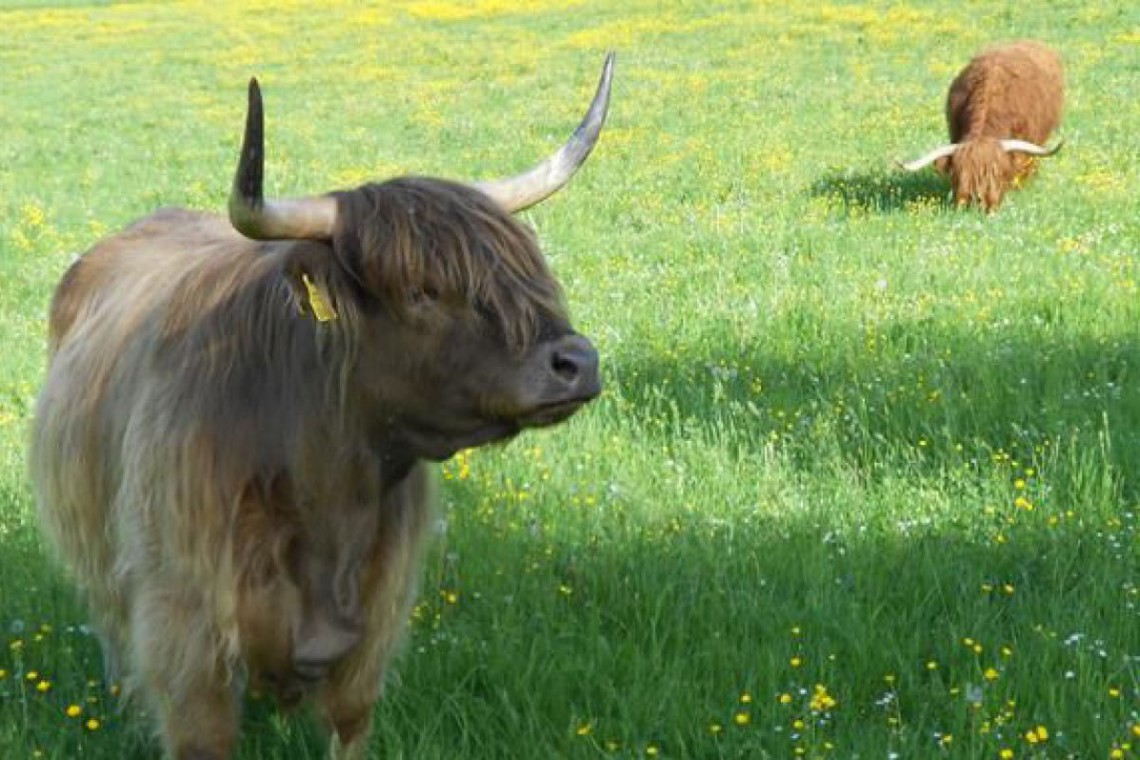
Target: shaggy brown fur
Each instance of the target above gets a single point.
(1011, 91)
(240, 489)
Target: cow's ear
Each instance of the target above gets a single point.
(312, 282)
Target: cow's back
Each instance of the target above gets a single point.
(106, 318)
(1009, 91)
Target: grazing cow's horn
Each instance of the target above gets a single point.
(1021, 146)
(536, 184)
(282, 219)
(931, 157)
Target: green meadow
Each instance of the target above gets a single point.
(865, 478)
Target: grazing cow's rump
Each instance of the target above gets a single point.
(1001, 110)
(229, 449)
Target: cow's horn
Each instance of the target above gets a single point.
(542, 180)
(1022, 146)
(281, 219)
(931, 157)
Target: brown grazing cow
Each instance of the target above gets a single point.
(1001, 109)
(230, 449)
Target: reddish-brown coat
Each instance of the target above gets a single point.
(1010, 91)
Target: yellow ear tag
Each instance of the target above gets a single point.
(322, 309)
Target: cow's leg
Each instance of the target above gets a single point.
(190, 689)
(387, 590)
(349, 716)
(347, 699)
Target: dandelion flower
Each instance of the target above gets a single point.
(74, 711)
(92, 724)
(43, 687)
(1006, 754)
(715, 728)
(785, 698)
(584, 729)
(991, 674)
(796, 662)
(742, 718)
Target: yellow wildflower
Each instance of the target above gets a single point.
(821, 701)
(74, 711)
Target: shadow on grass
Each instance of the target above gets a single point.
(694, 615)
(883, 192)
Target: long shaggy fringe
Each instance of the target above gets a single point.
(414, 237)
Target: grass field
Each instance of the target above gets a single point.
(865, 478)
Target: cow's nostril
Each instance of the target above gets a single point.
(565, 366)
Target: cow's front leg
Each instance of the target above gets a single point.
(187, 683)
(349, 717)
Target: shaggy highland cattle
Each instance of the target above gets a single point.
(1001, 109)
(230, 449)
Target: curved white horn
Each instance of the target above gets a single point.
(545, 178)
(1023, 146)
(931, 157)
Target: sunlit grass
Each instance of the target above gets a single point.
(863, 481)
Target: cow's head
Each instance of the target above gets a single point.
(982, 170)
(458, 329)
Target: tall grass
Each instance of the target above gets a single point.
(863, 482)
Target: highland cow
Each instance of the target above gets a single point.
(1001, 110)
(230, 450)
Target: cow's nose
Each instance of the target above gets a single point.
(574, 361)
